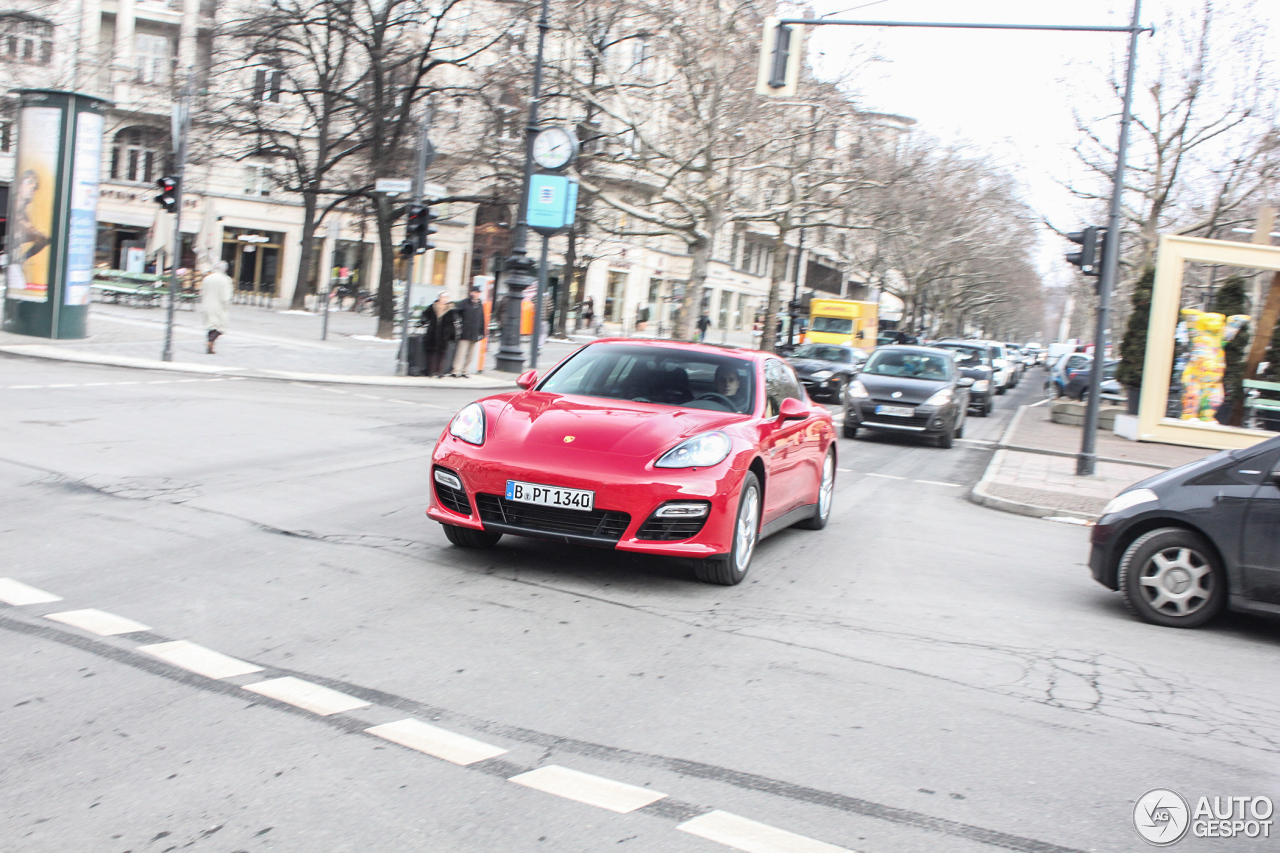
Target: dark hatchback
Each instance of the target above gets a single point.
(975, 361)
(826, 368)
(910, 390)
(1188, 542)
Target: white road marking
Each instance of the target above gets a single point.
(18, 593)
(138, 382)
(305, 695)
(846, 470)
(437, 742)
(976, 440)
(886, 476)
(1068, 519)
(585, 788)
(753, 837)
(98, 622)
(199, 660)
(939, 483)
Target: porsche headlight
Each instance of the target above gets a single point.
(982, 386)
(468, 424)
(857, 390)
(1128, 499)
(941, 398)
(822, 375)
(701, 451)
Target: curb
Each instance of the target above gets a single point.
(979, 495)
(53, 353)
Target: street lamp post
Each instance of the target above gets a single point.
(520, 267)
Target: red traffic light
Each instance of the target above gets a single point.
(168, 197)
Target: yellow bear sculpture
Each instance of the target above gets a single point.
(1202, 377)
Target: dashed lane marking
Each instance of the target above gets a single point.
(885, 476)
(939, 483)
(585, 788)
(305, 695)
(436, 742)
(982, 441)
(99, 622)
(751, 836)
(199, 660)
(18, 593)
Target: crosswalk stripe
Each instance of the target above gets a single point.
(751, 836)
(98, 622)
(199, 660)
(18, 593)
(305, 695)
(585, 788)
(436, 742)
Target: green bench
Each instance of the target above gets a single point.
(1254, 402)
(135, 288)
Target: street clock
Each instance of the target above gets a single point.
(554, 148)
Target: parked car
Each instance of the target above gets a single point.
(1062, 370)
(974, 361)
(825, 369)
(909, 389)
(1036, 352)
(1077, 385)
(1186, 543)
(658, 447)
(1014, 354)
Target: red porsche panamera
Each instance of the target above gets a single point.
(687, 450)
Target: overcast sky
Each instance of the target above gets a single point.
(1007, 93)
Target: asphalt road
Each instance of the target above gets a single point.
(923, 675)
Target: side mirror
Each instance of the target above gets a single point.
(965, 381)
(527, 379)
(792, 410)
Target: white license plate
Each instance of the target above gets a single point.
(533, 493)
(896, 411)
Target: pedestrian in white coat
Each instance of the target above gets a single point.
(215, 300)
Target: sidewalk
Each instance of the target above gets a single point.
(266, 343)
(1033, 471)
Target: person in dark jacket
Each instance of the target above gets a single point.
(439, 328)
(470, 330)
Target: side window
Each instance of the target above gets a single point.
(780, 383)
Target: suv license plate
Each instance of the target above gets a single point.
(533, 493)
(896, 411)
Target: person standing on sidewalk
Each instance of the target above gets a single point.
(439, 325)
(215, 301)
(470, 330)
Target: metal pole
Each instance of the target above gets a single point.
(1087, 460)
(795, 292)
(335, 230)
(519, 267)
(419, 179)
(181, 125)
(535, 346)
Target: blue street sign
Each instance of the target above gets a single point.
(553, 200)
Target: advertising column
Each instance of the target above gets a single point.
(53, 214)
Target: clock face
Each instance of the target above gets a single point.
(554, 148)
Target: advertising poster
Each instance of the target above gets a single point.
(31, 204)
(82, 231)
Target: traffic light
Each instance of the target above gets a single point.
(1087, 257)
(168, 197)
(780, 53)
(418, 230)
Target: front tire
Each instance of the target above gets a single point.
(947, 439)
(1171, 577)
(849, 430)
(465, 537)
(729, 569)
(826, 491)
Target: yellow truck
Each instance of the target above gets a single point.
(843, 321)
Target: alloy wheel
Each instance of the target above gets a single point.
(1177, 581)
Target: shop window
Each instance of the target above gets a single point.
(614, 297)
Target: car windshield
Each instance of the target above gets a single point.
(912, 365)
(834, 325)
(826, 352)
(669, 377)
(967, 356)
